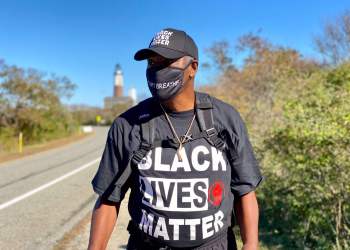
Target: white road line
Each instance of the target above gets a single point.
(38, 189)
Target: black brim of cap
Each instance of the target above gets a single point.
(164, 52)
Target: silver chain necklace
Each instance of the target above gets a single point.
(184, 138)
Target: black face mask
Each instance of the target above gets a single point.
(165, 82)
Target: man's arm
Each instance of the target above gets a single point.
(247, 215)
(104, 217)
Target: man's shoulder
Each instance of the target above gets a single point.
(133, 115)
(226, 116)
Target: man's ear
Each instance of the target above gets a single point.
(194, 68)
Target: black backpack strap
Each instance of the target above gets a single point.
(147, 137)
(204, 110)
(147, 129)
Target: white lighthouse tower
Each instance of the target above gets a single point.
(118, 98)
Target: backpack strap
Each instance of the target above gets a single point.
(146, 121)
(147, 132)
(204, 110)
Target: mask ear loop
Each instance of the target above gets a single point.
(183, 69)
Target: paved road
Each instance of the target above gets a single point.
(45, 196)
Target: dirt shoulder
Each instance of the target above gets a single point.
(37, 148)
(78, 237)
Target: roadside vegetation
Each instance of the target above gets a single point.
(297, 110)
(31, 104)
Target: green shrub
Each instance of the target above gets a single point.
(306, 200)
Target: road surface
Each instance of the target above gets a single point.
(46, 199)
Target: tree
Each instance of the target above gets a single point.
(258, 88)
(30, 103)
(334, 42)
(307, 198)
(219, 54)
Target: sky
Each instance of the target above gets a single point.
(84, 40)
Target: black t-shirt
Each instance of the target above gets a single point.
(184, 202)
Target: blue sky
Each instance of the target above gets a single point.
(85, 39)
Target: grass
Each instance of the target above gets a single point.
(40, 147)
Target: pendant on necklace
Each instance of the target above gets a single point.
(179, 152)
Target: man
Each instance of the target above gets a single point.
(185, 156)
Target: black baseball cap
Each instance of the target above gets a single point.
(169, 43)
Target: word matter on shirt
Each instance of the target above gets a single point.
(158, 226)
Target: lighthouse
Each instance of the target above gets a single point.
(118, 82)
(118, 98)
